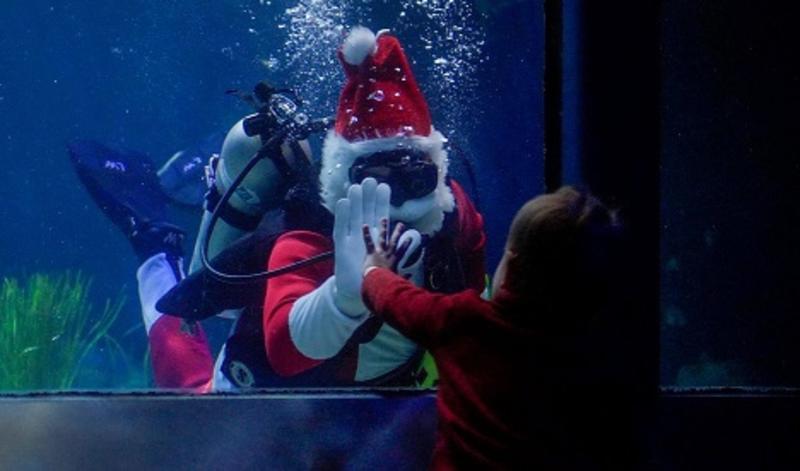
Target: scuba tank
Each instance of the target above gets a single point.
(261, 190)
(264, 165)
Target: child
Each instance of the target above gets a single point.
(502, 362)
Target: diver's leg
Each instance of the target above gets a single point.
(127, 190)
(179, 350)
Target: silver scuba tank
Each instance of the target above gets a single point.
(260, 191)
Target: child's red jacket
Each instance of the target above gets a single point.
(487, 360)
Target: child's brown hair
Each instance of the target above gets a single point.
(562, 245)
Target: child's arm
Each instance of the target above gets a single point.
(415, 312)
(418, 314)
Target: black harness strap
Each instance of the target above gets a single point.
(229, 214)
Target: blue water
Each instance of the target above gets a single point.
(151, 75)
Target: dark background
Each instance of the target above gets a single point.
(729, 194)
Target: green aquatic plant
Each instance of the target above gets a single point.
(47, 327)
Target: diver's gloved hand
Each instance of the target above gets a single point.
(151, 238)
(366, 203)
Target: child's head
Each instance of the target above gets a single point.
(558, 248)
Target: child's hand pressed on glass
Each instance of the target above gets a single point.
(386, 253)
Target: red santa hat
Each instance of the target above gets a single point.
(381, 108)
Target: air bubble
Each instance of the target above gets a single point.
(313, 30)
(377, 95)
(449, 30)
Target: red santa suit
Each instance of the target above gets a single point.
(179, 350)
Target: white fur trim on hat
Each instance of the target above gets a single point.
(360, 43)
(424, 214)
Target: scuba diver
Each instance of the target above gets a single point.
(269, 253)
(383, 157)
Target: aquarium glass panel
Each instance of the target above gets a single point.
(112, 115)
(729, 201)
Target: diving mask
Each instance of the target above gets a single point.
(409, 173)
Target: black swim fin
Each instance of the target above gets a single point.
(125, 187)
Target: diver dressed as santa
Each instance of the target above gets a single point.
(383, 158)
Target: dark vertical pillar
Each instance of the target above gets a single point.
(553, 46)
(621, 144)
(619, 116)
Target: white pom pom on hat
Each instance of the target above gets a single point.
(360, 43)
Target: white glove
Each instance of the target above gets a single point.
(366, 203)
(409, 266)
